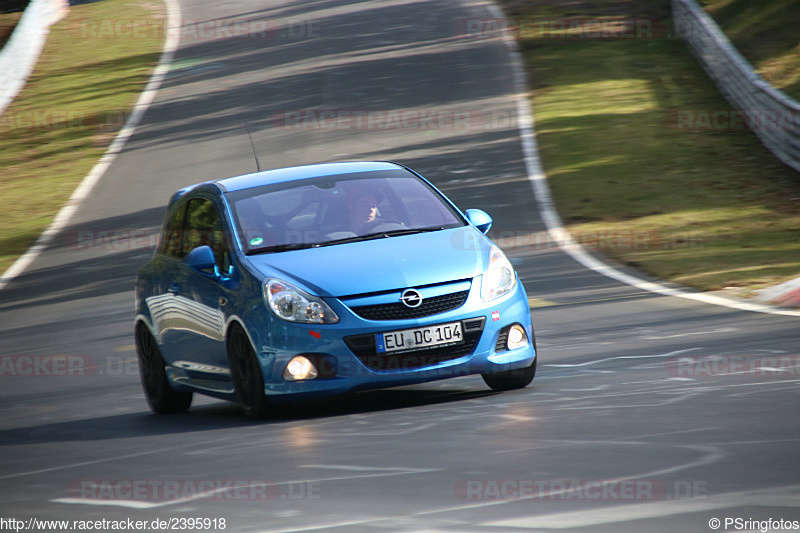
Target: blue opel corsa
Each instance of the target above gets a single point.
(321, 279)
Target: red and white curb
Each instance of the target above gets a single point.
(786, 294)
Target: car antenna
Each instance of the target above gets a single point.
(255, 156)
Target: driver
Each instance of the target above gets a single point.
(363, 210)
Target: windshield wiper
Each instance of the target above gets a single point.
(357, 238)
(399, 232)
(380, 235)
(283, 247)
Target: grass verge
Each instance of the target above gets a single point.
(765, 32)
(8, 21)
(706, 208)
(87, 79)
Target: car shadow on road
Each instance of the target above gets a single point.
(87, 260)
(375, 401)
(207, 418)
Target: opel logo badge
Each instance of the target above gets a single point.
(411, 298)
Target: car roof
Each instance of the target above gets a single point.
(281, 175)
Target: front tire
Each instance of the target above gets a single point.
(161, 397)
(248, 380)
(511, 379)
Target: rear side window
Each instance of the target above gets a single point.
(195, 223)
(203, 227)
(171, 237)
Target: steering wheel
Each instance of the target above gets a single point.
(373, 225)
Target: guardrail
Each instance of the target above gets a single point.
(21, 51)
(778, 115)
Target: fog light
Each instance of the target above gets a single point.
(517, 338)
(299, 368)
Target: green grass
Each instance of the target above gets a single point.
(708, 209)
(8, 21)
(766, 33)
(84, 84)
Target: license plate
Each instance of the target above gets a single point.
(419, 338)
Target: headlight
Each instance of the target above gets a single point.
(499, 278)
(517, 338)
(292, 304)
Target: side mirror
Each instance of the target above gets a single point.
(202, 259)
(480, 219)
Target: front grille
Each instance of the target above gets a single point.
(399, 311)
(363, 346)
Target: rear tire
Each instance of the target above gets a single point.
(161, 397)
(511, 379)
(248, 380)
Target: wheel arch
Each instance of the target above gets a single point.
(233, 322)
(142, 320)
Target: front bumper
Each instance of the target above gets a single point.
(347, 359)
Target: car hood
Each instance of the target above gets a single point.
(381, 264)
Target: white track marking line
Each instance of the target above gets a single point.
(547, 209)
(94, 176)
(711, 454)
(357, 468)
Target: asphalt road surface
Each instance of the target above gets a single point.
(649, 413)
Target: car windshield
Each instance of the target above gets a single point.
(339, 209)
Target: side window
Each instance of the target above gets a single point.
(171, 237)
(204, 227)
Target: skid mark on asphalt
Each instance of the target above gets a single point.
(83, 463)
(685, 375)
(574, 397)
(708, 454)
(690, 333)
(790, 384)
(593, 403)
(621, 357)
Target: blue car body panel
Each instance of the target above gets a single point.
(190, 313)
(377, 265)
